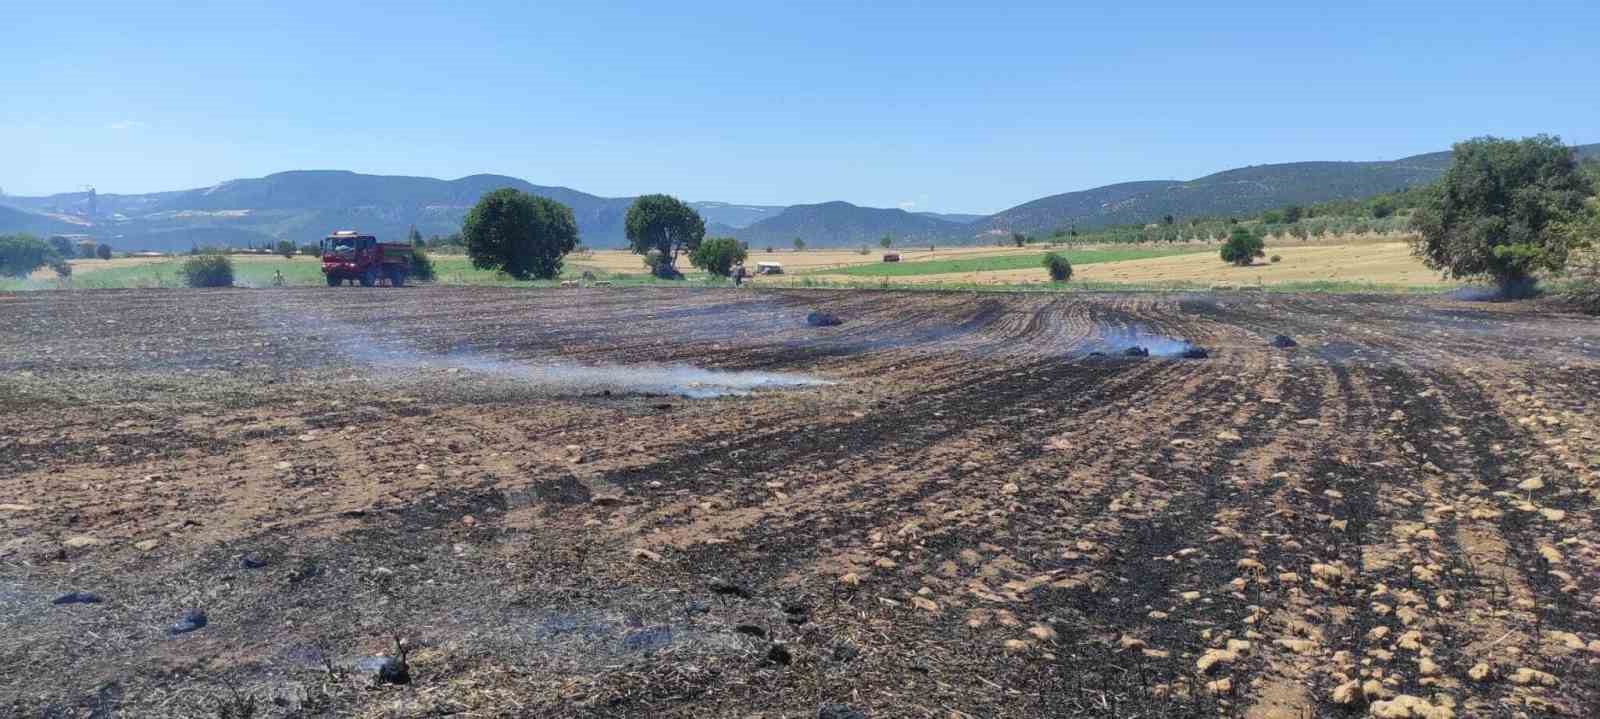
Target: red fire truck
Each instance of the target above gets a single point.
(349, 255)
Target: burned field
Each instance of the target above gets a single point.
(670, 503)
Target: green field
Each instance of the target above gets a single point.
(1006, 262)
(299, 272)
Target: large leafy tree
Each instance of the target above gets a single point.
(665, 224)
(520, 234)
(22, 254)
(718, 255)
(1497, 209)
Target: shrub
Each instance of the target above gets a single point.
(63, 246)
(102, 251)
(208, 270)
(1059, 268)
(1277, 258)
(718, 255)
(421, 266)
(62, 268)
(311, 250)
(863, 251)
(1242, 247)
(286, 248)
(22, 254)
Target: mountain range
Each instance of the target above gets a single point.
(304, 205)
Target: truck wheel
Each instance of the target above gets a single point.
(397, 278)
(369, 278)
(334, 281)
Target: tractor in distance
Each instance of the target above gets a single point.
(349, 255)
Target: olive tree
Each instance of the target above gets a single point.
(718, 255)
(1496, 211)
(667, 225)
(522, 235)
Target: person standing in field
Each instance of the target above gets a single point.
(738, 274)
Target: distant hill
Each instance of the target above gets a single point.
(302, 206)
(1242, 191)
(844, 224)
(732, 217)
(305, 205)
(14, 220)
(956, 217)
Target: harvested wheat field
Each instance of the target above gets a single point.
(1375, 263)
(667, 503)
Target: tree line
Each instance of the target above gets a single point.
(527, 236)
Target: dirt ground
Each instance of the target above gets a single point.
(990, 512)
(1380, 263)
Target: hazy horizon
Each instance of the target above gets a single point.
(943, 109)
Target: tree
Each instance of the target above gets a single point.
(718, 255)
(102, 251)
(1243, 247)
(886, 241)
(1293, 213)
(1019, 239)
(63, 246)
(1496, 211)
(62, 268)
(1382, 208)
(311, 250)
(1057, 265)
(415, 238)
(1167, 219)
(522, 235)
(20, 255)
(286, 248)
(665, 224)
(210, 269)
(86, 249)
(799, 245)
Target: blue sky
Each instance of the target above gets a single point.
(931, 106)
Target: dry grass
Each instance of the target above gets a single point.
(1388, 263)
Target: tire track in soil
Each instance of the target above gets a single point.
(1517, 538)
(1146, 574)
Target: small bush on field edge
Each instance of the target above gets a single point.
(207, 270)
(1060, 269)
